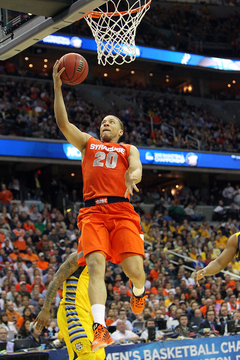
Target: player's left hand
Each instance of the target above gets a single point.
(42, 319)
(130, 182)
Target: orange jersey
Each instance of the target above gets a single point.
(103, 167)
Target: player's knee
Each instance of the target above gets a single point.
(133, 272)
(96, 266)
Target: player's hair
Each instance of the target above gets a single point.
(120, 123)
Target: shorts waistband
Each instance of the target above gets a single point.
(104, 201)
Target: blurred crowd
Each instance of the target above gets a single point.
(26, 109)
(178, 241)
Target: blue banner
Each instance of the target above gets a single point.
(66, 151)
(189, 159)
(148, 53)
(39, 149)
(217, 348)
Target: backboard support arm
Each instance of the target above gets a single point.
(40, 26)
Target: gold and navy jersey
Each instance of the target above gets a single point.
(76, 303)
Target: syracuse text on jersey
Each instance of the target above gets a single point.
(110, 149)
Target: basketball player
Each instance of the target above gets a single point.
(215, 266)
(110, 228)
(74, 314)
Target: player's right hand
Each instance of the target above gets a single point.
(57, 75)
(42, 319)
(199, 275)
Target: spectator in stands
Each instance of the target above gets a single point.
(10, 277)
(123, 317)
(145, 334)
(212, 323)
(183, 329)
(8, 325)
(112, 317)
(34, 214)
(13, 315)
(39, 306)
(196, 320)
(3, 339)
(121, 334)
(17, 301)
(23, 208)
(24, 288)
(6, 196)
(228, 193)
(232, 304)
(36, 340)
(24, 330)
(26, 316)
(35, 296)
(19, 240)
(191, 310)
(41, 263)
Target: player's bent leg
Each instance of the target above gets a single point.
(98, 295)
(133, 268)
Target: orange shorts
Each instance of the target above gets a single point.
(112, 229)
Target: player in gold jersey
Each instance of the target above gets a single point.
(215, 266)
(74, 316)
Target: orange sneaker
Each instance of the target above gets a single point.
(137, 302)
(101, 337)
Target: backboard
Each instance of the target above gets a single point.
(62, 13)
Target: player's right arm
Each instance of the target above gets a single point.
(215, 266)
(63, 273)
(76, 137)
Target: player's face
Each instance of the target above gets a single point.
(110, 129)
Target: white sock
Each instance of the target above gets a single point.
(98, 311)
(138, 292)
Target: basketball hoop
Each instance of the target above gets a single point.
(114, 29)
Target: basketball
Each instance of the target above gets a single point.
(76, 68)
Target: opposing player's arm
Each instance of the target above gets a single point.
(63, 273)
(222, 261)
(133, 175)
(71, 132)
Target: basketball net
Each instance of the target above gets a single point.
(114, 28)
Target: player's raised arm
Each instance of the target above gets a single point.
(134, 173)
(215, 266)
(70, 131)
(63, 273)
